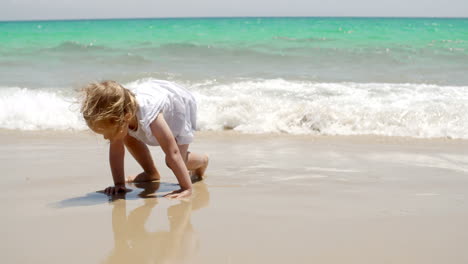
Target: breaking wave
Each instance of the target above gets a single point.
(278, 106)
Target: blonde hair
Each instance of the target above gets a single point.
(107, 101)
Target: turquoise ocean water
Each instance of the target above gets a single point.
(350, 76)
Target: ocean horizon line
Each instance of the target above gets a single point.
(228, 17)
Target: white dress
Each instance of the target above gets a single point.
(177, 105)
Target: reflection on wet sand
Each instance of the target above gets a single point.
(134, 244)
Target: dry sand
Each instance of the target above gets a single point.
(266, 199)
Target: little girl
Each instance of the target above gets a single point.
(153, 113)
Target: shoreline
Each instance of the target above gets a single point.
(232, 133)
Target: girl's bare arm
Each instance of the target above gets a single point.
(163, 134)
(116, 161)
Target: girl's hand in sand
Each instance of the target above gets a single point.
(112, 190)
(179, 194)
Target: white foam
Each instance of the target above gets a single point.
(26, 109)
(415, 110)
(272, 106)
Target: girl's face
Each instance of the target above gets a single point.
(111, 132)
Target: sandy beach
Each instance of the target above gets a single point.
(266, 199)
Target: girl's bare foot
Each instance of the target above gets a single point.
(144, 177)
(197, 174)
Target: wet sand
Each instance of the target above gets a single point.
(266, 199)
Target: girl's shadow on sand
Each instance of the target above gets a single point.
(144, 190)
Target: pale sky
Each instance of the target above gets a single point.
(85, 9)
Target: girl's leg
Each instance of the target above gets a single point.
(142, 155)
(196, 163)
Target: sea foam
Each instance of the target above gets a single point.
(415, 110)
(279, 106)
(33, 109)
